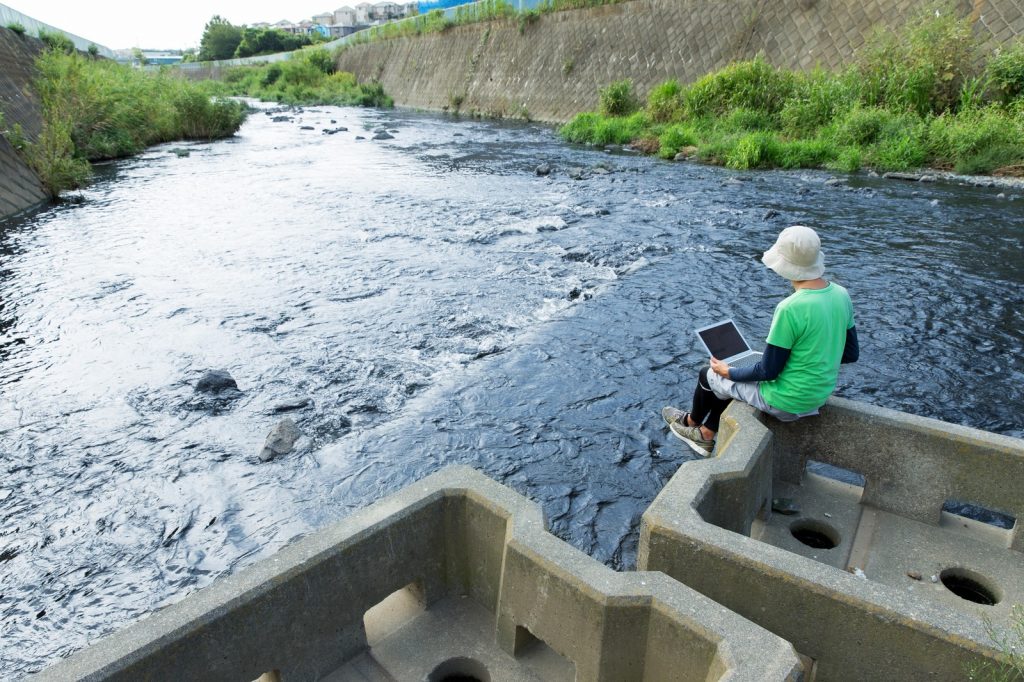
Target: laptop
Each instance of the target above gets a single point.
(724, 341)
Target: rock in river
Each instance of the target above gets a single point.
(383, 136)
(280, 440)
(216, 381)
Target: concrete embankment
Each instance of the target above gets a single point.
(551, 68)
(20, 188)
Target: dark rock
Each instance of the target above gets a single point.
(785, 505)
(457, 135)
(543, 169)
(333, 121)
(832, 182)
(382, 135)
(803, 190)
(769, 214)
(296, 404)
(280, 440)
(360, 137)
(281, 119)
(576, 173)
(914, 575)
(575, 293)
(306, 128)
(216, 381)
(332, 131)
(393, 131)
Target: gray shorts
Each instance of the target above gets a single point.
(750, 393)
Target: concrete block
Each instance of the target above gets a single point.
(454, 575)
(849, 580)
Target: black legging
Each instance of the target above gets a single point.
(707, 407)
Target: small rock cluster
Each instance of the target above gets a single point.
(220, 386)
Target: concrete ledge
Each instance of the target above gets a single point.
(867, 608)
(455, 535)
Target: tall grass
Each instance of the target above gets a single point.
(307, 78)
(923, 97)
(97, 109)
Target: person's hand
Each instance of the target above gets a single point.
(719, 368)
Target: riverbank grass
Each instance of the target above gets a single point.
(919, 99)
(95, 109)
(308, 78)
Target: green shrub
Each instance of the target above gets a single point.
(749, 85)
(1005, 72)
(97, 109)
(317, 57)
(619, 130)
(971, 137)
(617, 99)
(270, 75)
(580, 129)
(665, 102)
(16, 27)
(922, 69)
(747, 119)
(849, 160)
(56, 41)
(754, 150)
(899, 150)
(804, 153)
(862, 126)
(816, 99)
(991, 159)
(674, 138)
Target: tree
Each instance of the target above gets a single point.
(220, 39)
(257, 41)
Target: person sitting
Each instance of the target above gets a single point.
(811, 335)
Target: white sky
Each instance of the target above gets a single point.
(162, 25)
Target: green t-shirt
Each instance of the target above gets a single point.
(812, 324)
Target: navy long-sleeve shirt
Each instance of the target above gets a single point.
(774, 359)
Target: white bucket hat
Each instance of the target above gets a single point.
(796, 254)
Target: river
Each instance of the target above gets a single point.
(418, 302)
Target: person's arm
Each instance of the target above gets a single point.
(767, 368)
(851, 351)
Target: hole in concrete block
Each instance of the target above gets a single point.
(815, 534)
(969, 585)
(541, 658)
(835, 473)
(460, 669)
(978, 513)
(393, 612)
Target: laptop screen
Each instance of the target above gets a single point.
(723, 340)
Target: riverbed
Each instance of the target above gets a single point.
(416, 302)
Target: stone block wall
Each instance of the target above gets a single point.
(551, 69)
(20, 188)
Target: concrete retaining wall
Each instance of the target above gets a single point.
(551, 69)
(300, 614)
(869, 608)
(20, 188)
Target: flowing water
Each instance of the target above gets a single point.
(413, 303)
